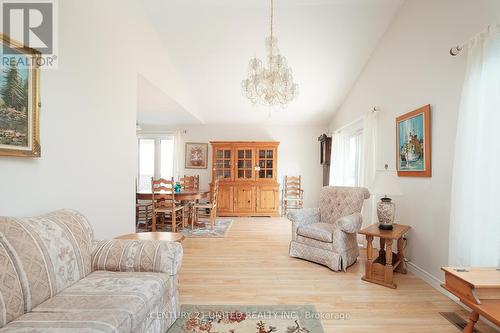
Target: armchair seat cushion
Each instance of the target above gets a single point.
(320, 231)
(134, 294)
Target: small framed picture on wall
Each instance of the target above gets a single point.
(196, 155)
(413, 141)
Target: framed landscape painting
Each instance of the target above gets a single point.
(19, 100)
(413, 140)
(196, 155)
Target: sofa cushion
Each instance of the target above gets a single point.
(136, 294)
(51, 252)
(318, 231)
(11, 294)
(66, 322)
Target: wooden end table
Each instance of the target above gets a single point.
(479, 289)
(165, 236)
(380, 270)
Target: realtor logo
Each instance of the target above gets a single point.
(32, 24)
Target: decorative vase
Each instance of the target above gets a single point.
(177, 187)
(385, 213)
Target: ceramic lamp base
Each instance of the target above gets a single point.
(386, 210)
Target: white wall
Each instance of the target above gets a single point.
(298, 152)
(88, 117)
(411, 67)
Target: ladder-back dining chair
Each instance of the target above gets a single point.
(190, 182)
(143, 213)
(164, 203)
(293, 194)
(210, 207)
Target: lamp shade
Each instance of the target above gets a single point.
(386, 183)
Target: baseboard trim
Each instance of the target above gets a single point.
(430, 279)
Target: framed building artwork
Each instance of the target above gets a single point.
(413, 139)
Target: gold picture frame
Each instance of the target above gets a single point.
(20, 130)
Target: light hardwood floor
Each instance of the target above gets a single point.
(252, 266)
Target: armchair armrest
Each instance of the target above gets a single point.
(350, 223)
(302, 217)
(120, 255)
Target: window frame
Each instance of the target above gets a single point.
(157, 137)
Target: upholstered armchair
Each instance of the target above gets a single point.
(327, 235)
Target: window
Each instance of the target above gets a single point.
(155, 159)
(346, 169)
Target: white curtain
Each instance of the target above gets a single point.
(475, 217)
(178, 155)
(337, 160)
(369, 163)
(352, 160)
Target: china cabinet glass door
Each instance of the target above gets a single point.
(223, 163)
(244, 166)
(266, 163)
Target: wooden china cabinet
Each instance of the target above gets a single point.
(248, 183)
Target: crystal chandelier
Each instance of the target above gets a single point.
(272, 85)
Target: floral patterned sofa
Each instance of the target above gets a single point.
(327, 235)
(55, 278)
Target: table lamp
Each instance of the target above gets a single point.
(386, 184)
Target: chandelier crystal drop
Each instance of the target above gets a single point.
(270, 84)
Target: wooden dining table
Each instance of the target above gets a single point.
(183, 195)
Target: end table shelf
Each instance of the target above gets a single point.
(380, 270)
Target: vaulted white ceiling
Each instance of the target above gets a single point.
(156, 107)
(326, 42)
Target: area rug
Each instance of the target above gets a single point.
(247, 319)
(204, 229)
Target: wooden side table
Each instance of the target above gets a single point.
(380, 270)
(479, 289)
(166, 236)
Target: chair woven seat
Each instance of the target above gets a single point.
(203, 205)
(167, 209)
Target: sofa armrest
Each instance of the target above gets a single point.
(120, 255)
(350, 223)
(302, 217)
